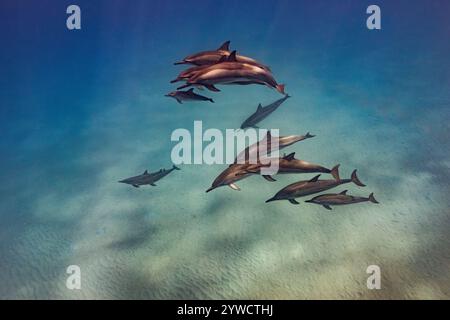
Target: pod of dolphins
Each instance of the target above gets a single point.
(220, 67)
(225, 67)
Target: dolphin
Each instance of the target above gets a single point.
(148, 178)
(262, 112)
(288, 164)
(214, 56)
(307, 187)
(229, 176)
(264, 146)
(336, 199)
(188, 95)
(230, 71)
(190, 72)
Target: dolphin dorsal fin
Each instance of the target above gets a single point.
(232, 57)
(225, 46)
(315, 178)
(222, 59)
(191, 90)
(145, 172)
(343, 192)
(289, 157)
(259, 106)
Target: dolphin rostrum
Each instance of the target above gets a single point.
(230, 71)
(262, 112)
(288, 164)
(264, 146)
(336, 199)
(214, 56)
(148, 178)
(229, 176)
(188, 95)
(307, 187)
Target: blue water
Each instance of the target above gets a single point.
(82, 109)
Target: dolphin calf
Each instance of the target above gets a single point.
(230, 71)
(307, 187)
(261, 113)
(336, 199)
(288, 164)
(188, 95)
(214, 56)
(264, 146)
(229, 176)
(148, 178)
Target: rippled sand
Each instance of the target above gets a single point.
(175, 241)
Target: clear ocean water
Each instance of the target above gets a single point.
(80, 110)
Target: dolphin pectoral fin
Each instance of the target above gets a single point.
(135, 185)
(153, 185)
(326, 206)
(211, 87)
(293, 201)
(269, 178)
(289, 157)
(184, 86)
(234, 187)
(179, 101)
(343, 192)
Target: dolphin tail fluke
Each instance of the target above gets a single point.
(335, 172)
(356, 180)
(180, 62)
(309, 135)
(280, 88)
(175, 167)
(372, 198)
(211, 100)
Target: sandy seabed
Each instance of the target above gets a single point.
(174, 241)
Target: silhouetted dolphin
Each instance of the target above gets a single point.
(307, 187)
(336, 199)
(229, 176)
(288, 164)
(214, 56)
(262, 112)
(264, 146)
(188, 95)
(148, 178)
(230, 71)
